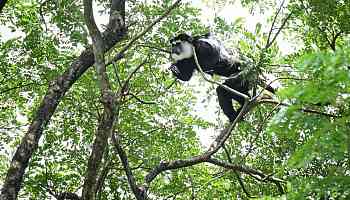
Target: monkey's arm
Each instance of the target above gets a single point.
(182, 71)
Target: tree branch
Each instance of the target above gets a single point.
(270, 83)
(138, 192)
(103, 175)
(20, 86)
(334, 40)
(235, 92)
(259, 130)
(56, 91)
(301, 109)
(279, 30)
(273, 24)
(108, 99)
(252, 172)
(148, 28)
(140, 100)
(238, 176)
(154, 47)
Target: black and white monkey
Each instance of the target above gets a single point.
(213, 58)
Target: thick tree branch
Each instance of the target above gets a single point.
(57, 89)
(176, 164)
(108, 99)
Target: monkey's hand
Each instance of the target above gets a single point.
(180, 73)
(173, 68)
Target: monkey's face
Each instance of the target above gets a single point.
(181, 47)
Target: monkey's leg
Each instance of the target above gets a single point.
(239, 85)
(225, 102)
(242, 87)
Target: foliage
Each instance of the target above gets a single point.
(310, 151)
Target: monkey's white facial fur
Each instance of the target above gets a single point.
(181, 50)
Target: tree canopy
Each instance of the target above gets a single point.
(88, 109)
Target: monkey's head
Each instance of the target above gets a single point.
(181, 47)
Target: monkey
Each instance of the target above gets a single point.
(213, 58)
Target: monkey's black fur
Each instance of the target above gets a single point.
(213, 59)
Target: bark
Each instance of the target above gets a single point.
(108, 99)
(57, 89)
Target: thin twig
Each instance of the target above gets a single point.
(259, 130)
(140, 100)
(277, 79)
(302, 109)
(134, 72)
(239, 178)
(273, 24)
(21, 86)
(116, 74)
(279, 30)
(214, 82)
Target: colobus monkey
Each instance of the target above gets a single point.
(213, 59)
